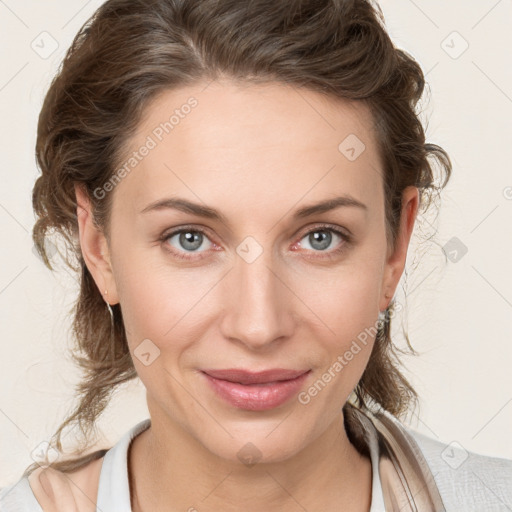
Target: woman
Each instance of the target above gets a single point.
(240, 182)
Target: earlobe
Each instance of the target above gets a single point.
(94, 246)
(395, 263)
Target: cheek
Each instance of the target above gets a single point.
(351, 315)
(346, 307)
(160, 303)
(345, 299)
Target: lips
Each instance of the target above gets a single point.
(255, 391)
(246, 377)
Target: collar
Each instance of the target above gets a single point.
(407, 481)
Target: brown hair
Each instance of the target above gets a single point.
(132, 50)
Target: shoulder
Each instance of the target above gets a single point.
(464, 478)
(19, 497)
(49, 490)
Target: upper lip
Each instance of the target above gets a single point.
(248, 377)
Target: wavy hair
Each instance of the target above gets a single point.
(127, 53)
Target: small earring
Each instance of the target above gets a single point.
(109, 308)
(112, 329)
(383, 313)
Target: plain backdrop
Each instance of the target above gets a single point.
(459, 278)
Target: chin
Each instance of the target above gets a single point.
(263, 443)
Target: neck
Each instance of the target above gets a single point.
(170, 470)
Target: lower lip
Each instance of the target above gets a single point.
(257, 397)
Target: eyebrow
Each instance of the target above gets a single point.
(186, 206)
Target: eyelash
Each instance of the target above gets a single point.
(347, 240)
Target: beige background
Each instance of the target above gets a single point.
(459, 312)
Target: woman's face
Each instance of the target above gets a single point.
(222, 258)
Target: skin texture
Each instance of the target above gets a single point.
(256, 154)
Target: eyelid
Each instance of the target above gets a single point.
(185, 227)
(345, 233)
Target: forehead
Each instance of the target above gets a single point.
(258, 139)
(216, 112)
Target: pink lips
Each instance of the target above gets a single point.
(256, 391)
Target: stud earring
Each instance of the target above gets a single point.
(382, 313)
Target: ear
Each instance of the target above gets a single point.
(95, 249)
(396, 258)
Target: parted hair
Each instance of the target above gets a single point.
(127, 53)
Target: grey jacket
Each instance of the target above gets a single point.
(421, 474)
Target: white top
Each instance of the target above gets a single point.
(114, 489)
(467, 481)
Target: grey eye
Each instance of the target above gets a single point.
(319, 239)
(188, 240)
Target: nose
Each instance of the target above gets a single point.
(258, 304)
